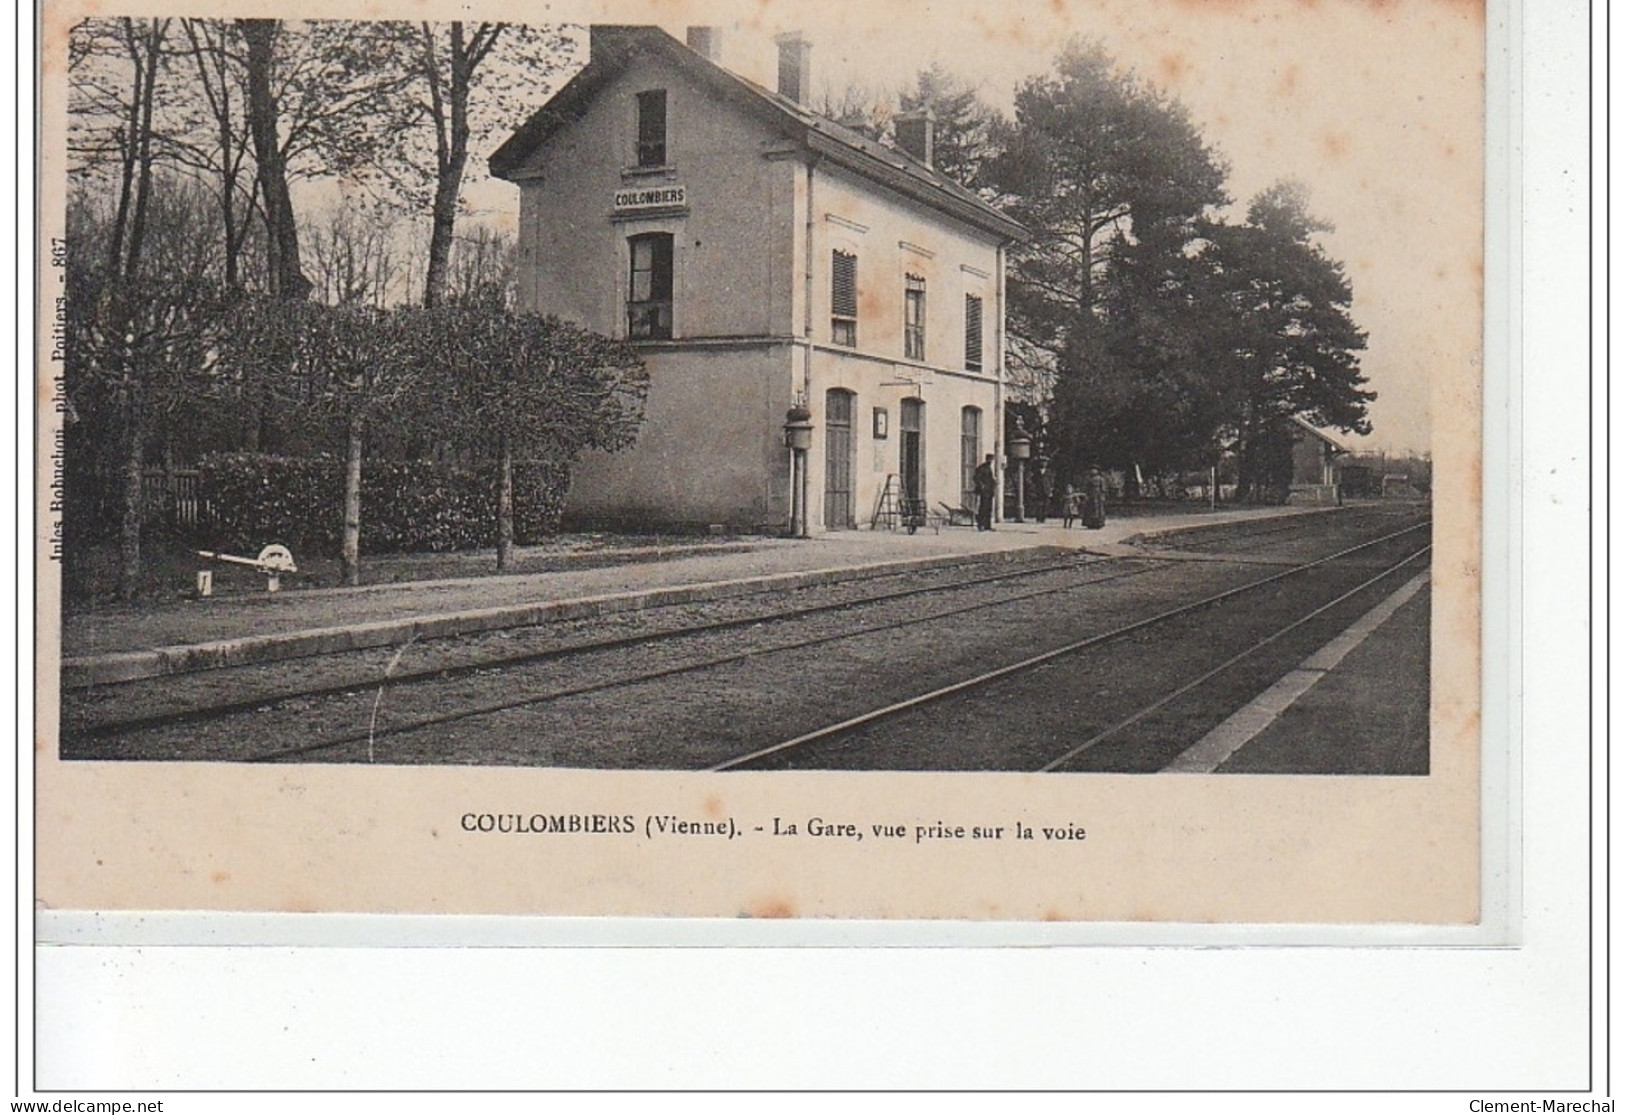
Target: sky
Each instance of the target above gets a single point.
(1375, 105)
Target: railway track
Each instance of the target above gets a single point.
(837, 744)
(852, 726)
(533, 679)
(92, 729)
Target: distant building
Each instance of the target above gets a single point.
(1315, 455)
(760, 255)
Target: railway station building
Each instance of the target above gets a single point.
(761, 257)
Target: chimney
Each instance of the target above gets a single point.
(916, 134)
(795, 67)
(706, 41)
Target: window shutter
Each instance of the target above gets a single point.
(973, 332)
(844, 285)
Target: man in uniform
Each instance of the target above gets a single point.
(987, 489)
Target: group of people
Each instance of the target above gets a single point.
(1088, 505)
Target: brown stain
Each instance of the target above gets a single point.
(1472, 10)
(1012, 32)
(1052, 914)
(1207, 7)
(872, 305)
(220, 878)
(1173, 67)
(772, 908)
(712, 807)
(1287, 84)
(299, 906)
(1335, 146)
(54, 47)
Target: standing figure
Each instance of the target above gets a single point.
(987, 489)
(1094, 500)
(1043, 491)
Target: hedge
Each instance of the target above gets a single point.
(252, 500)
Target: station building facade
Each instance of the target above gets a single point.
(761, 256)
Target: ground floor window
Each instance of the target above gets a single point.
(648, 303)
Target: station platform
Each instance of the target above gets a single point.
(128, 642)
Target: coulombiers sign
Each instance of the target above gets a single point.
(650, 197)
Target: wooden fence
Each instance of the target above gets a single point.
(171, 495)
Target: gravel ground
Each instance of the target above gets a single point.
(770, 692)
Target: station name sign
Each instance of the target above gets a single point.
(651, 197)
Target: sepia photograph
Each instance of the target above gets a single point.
(521, 430)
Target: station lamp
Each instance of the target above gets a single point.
(1021, 448)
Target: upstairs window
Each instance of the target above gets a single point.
(652, 128)
(843, 299)
(914, 318)
(973, 332)
(648, 303)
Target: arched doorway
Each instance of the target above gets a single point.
(838, 454)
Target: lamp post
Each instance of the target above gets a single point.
(1021, 447)
(798, 437)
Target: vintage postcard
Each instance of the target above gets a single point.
(818, 460)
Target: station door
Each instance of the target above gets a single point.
(910, 462)
(838, 453)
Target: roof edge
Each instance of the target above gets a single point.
(611, 45)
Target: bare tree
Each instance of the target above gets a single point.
(482, 266)
(865, 109)
(115, 69)
(220, 149)
(467, 87)
(354, 256)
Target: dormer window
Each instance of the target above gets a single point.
(652, 128)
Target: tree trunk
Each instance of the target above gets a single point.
(130, 526)
(287, 280)
(451, 125)
(143, 147)
(352, 504)
(505, 506)
(145, 48)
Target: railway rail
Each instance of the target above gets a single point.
(853, 725)
(208, 711)
(528, 689)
